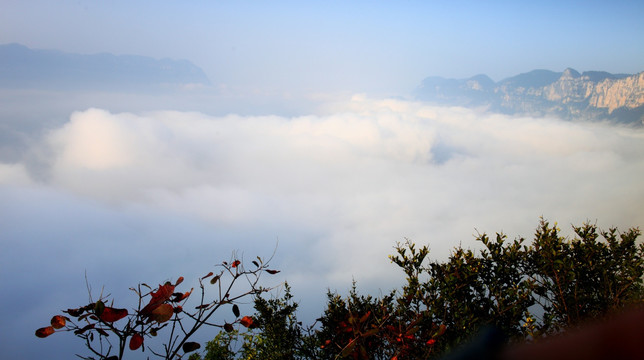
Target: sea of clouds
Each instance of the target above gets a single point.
(125, 197)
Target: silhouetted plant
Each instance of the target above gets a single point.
(159, 309)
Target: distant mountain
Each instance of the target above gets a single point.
(592, 95)
(21, 67)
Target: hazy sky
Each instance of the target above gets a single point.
(377, 47)
(301, 146)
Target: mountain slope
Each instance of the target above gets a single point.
(592, 95)
(21, 67)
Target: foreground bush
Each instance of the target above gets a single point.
(522, 291)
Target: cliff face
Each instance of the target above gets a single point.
(592, 95)
(613, 94)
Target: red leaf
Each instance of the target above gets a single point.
(179, 281)
(58, 321)
(45, 331)
(235, 263)
(162, 295)
(162, 313)
(136, 341)
(110, 314)
(207, 276)
(177, 309)
(248, 322)
(272, 272)
(431, 342)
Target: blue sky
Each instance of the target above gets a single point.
(373, 47)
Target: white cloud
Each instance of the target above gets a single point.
(362, 178)
(337, 191)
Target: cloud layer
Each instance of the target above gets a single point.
(147, 196)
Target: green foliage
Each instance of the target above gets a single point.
(525, 290)
(277, 334)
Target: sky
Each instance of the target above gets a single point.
(286, 48)
(309, 147)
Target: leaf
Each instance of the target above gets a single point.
(248, 322)
(110, 314)
(207, 276)
(99, 306)
(180, 297)
(45, 331)
(136, 341)
(163, 294)
(255, 263)
(235, 263)
(236, 310)
(348, 349)
(215, 279)
(74, 312)
(102, 332)
(228, 327)
(179, 281)
(441, 330)
(58, 322)
(190, 346)
(272, 272)
(87, 327)
(162, 313)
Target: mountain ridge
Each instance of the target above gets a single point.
(23, 67)
(591, 95)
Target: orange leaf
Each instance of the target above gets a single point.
(441, 330)
(235, 263)
(45, 331)
(162, 313)
(136, 341)
(179, 296)
(58, 321)
(110, 314)
(179, 281)
(209, 275)
(248, 322)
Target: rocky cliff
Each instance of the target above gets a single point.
(592, 95)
